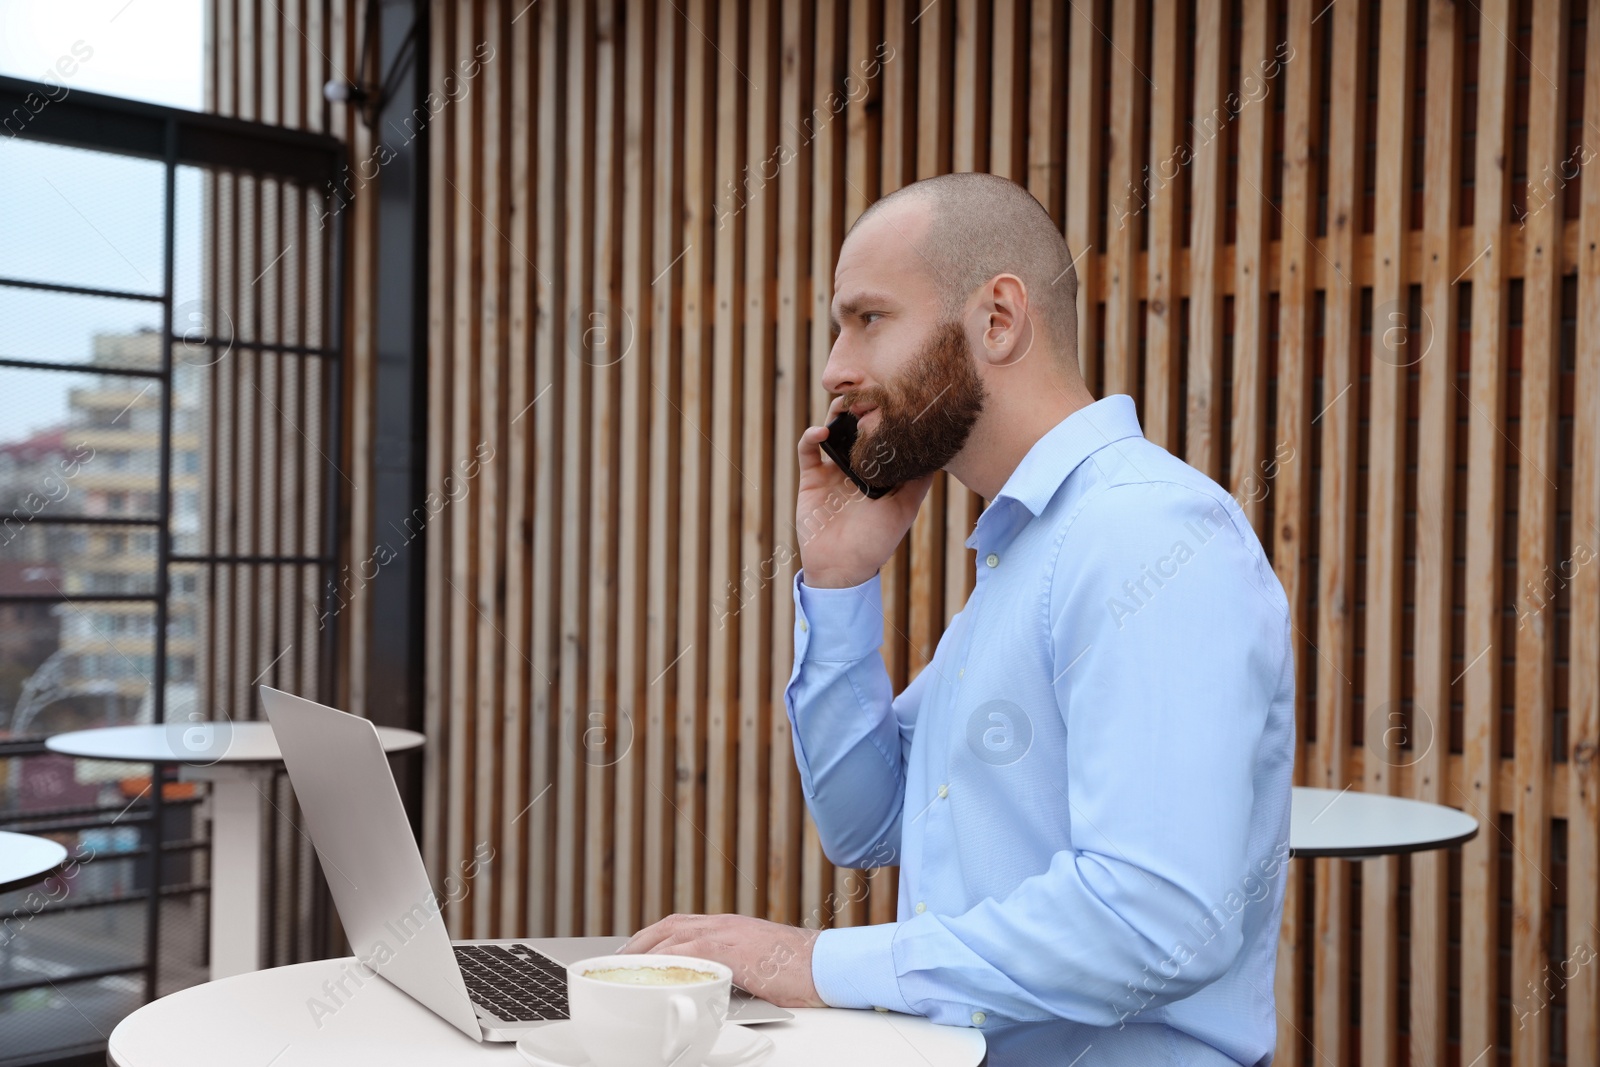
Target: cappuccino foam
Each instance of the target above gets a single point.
(673, 975)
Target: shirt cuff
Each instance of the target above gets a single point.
(837, 625)
(853, 967)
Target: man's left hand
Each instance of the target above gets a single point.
(768, 959)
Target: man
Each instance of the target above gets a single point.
(1087, 789)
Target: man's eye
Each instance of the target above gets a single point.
(869, 317)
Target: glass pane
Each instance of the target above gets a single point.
(110, 46)
(75, 666)
(75, 217)
(189, 432)
(80, 444)
(49, 559)
(56, 943)
(249, 262)
(67, 328)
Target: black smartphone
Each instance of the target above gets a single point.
(841, 438)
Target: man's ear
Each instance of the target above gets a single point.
(1006, 329)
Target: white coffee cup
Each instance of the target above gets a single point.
(622, 1024)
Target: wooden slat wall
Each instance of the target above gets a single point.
(636, 210)
(263, 435)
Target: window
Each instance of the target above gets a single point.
(95, 264)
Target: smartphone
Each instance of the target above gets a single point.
(841, 438)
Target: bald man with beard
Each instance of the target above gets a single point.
(1087, 789)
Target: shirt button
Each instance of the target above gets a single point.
(978, 1017)
(962, 673)
(992, 560)
(921, 907)
(803, 627)
(944, 791)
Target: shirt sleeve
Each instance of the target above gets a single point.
(1170, 640)
(851, 735)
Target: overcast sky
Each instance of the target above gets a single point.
(81, 218)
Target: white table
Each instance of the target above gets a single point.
(238, 760)
(256, 1018)
(1352, 825)
(26, 859)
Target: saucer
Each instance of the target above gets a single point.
(557, 1045)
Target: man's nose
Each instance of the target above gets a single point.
(841, 374)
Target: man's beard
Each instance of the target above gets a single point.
(924, 416)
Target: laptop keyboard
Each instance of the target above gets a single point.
(514, 984)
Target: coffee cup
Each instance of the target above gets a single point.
(648, 1010)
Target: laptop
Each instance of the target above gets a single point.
(490, 990)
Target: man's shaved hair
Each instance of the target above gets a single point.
(982, 225)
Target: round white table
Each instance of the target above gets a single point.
(1347, 824)
(238, 759)
(257, 1018)
(26, 860)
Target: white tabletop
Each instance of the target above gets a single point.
(1347, 823)
(26, 859)
(177, 742)
(253, 1019)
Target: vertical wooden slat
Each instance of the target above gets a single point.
(727, 476)
(1390, 356)
(782, 868)
(661, 627)
(632, 344)
(970, 45)
(511, 867)
(700, 191)
(437, 780)
(755, 592)
(1291, 482)
(1535, 641)
(1336, 590)
(1583, 668)
(1156, 195)
(1436, 504)
(1083, 192)
(575, 474)
(1248, 466)
(1203, 390)
(1128, 88)
(863, 109)
(488, 486)
(1008, 125)
(464, 563)
(1480, 677)
(1047, 98)
(898, 111)
(602, 353)
(538, 816)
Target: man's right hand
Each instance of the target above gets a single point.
(846, 538)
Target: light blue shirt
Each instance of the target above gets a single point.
(1087, 789)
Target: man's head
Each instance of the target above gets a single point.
(955, 303)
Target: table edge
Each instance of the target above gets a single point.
(1375, 851)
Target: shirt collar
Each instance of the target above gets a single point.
(1065, 446)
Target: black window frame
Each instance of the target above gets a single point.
(179, 138)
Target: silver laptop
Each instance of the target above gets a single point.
(490, 990)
